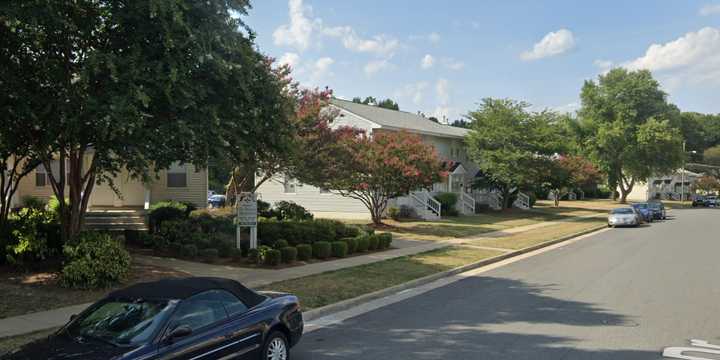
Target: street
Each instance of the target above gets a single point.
(622, 294)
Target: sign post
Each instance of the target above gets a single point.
(247, 217)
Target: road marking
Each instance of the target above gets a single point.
(341, 316)
(700, 347)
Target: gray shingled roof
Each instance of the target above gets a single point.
(393, 119)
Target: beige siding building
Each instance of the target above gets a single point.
(448, 141)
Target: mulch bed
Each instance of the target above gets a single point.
(37, 289)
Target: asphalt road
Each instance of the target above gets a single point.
(621, 294)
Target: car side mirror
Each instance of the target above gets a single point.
(179, 332)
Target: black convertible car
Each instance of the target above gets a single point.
(191, 318)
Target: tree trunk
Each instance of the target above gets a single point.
(556, 197)
(626, 187)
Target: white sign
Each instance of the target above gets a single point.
(247, 210)
(700, 347)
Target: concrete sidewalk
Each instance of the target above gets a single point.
(253, 278)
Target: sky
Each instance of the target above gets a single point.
(444, 57)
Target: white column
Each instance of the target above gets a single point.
(146, 203)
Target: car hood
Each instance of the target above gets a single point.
(64, 348)
(622, 216)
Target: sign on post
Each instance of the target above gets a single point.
(247, 217)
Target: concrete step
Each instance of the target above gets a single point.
(117, 227)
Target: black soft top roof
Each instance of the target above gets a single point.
(183, 288)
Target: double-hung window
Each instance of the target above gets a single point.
(177, 175)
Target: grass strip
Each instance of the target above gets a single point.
(539, 235)
(327, 288)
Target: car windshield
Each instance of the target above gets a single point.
(622, 211)
(656, 205)
(120, 322)
(640, 206)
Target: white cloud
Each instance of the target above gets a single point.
(290, 58)
(554, 43)
(442, 91)
(692, 58)
(304, 29)
(434, 38)
(320, 71)
(567, 108)
(375, 66)
(299, 31)
(414, 91)
(378, 44)
(710, 9)
(427, 61)
(453, 64)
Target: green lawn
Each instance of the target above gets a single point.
(322, 289)
(473, 225)
(540, 235)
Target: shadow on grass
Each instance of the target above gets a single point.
(476, 318)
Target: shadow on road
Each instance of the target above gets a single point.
(453, 323)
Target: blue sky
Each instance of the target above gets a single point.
(443, 58)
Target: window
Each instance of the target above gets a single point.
(40, 176)
(289, 186)
(232, 304)
(199, 311)
(177, 175)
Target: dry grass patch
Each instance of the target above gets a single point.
(540, 235)
(38, 289)
(322, 289)
(12, 343)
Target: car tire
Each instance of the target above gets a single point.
(276, 347)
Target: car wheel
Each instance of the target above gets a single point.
(276, 347)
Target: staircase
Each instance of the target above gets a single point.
(522, 201)
(491, 198)
(116, 219)
(425, 205)
(468, 204)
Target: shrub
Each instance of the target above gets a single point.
(407, 212)
(209, 254)
(447, 202)
(321, 249)
(264, 210)
(189, 250)
(94, 260)
(288, 254)
(300, 232)
(166, 211)
(351, 244)
(224, 245)
(33, 202)
(288, 210)
(272, 257)
(339, 249)
(281, 244)
(145, 239)
(189, 207)
(132, 236)
(373, 242)
(363, 243)
(394, 213)
(253, 255)
(236, 254)
(304, 252)
(385, 240)
(33, 235)
(245, 248)
(349, 231)
(180, 231)
(175, 249)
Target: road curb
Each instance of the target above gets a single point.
(350, 303)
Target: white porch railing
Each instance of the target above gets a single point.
(491, 198)
(522, 201)
(468, 203)
(425, 205)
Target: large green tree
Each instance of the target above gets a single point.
(384, 103)
(138, 85)
(511, 144)
(625, 127)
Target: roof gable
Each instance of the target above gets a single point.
(399, 120)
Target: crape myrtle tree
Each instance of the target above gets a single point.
(707, 183)
(136, 86)
(371, 168)
(625, 128)
(511, 145)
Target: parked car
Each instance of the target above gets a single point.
(658, 208)
(216, 201)
(645, 211)
(626, 216)
(189, 318)
(712, 201)
(698, 201)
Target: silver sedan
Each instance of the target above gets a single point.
(626, 216)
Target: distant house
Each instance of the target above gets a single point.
(179, 182)
(447, 140)
(665, 187)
